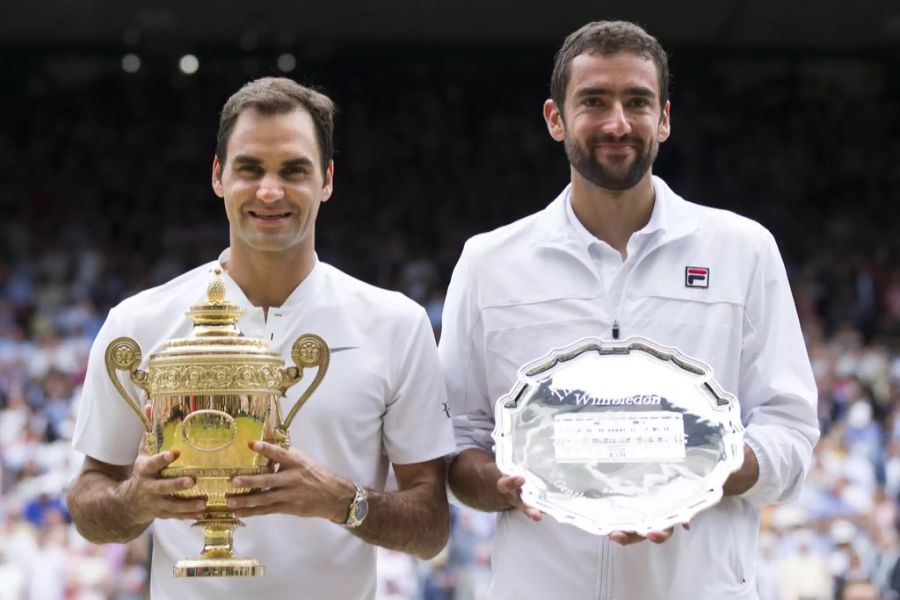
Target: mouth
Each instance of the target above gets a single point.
(616, 146)
(613, 144)
(616, 152)
(269, 216)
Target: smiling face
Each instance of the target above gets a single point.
(612, 123)
(272, 183)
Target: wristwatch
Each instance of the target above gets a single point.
(359, 508)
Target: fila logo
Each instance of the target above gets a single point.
(696, 277)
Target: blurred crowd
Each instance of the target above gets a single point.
(104, 181)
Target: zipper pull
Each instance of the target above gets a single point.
(615, 330)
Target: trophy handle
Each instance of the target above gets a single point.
(124, 354)
(308, 351)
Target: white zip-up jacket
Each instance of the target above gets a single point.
(532, 285)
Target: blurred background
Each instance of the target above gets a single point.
(784, 111)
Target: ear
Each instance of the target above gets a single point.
(328, 185)
(665, 123)
(553, 117)
(217, 186)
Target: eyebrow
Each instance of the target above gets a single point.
(604, 91)
(244, 159)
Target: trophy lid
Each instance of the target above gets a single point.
(216, 356)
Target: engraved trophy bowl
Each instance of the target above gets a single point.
(619, 436)
(211, 394)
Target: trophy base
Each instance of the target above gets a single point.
(218, 559)
(235, 566)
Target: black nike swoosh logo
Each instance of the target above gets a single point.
(342, 348)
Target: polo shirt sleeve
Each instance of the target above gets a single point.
(777, 389)
(462, 358)
(417, 420)
(106, 429)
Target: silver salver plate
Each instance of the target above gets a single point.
(619, 436)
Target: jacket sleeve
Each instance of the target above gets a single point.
(777, 390)
(461, 351)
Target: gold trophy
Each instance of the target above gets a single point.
(211, 394)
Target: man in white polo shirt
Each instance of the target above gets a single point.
(381, 401)
(619, 254)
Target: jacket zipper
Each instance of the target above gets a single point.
(616, 329)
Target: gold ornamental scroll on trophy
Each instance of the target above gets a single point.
(211, 394)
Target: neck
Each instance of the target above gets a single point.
(612, 215)
(268, 278)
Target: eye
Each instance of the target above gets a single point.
(294, 171)
(592, 102)
(248, 169)
(639, 102)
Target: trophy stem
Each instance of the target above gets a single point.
(218, 558)
(218, 537)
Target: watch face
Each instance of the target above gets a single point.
(361, 509)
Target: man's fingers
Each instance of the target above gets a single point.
(268, 509)
(658, 537)
(511, 486)
(626, 538)
(156, 463)
(168, 507)
(164, 487)
(508, 484)
(261, 499)
(262, 482)
(532, 513)
(273, 452)
(236, 503)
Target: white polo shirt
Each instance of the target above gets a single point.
(382, 401)
(534, 285)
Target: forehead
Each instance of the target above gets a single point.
(615, 71)
(258, 134)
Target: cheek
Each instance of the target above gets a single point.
(305, 194)
(240, 187)
(231, 210)
(580, 132)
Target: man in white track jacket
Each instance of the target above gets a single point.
(619, 254)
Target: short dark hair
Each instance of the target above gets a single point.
(279, 95)
(605, 38)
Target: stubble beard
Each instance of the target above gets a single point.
(588, 166)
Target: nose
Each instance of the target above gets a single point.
(617, 123)
(270, 189)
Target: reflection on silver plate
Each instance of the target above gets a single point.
(626, 435)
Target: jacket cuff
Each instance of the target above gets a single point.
(762, 492)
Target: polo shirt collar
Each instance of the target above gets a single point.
(304, 290)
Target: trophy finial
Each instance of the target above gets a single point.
(216, 316)
(215, 291)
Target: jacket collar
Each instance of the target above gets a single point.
(673, 217)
